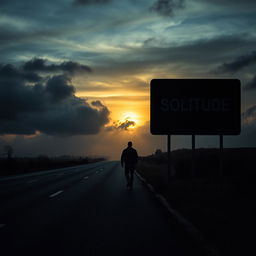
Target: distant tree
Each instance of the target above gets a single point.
(158, 152)
(8, 151)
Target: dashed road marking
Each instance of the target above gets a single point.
(55, 194)
(32, 181)
(86, 177)
(2, 225)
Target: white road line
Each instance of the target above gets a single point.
(86, 177)
(32, 181)
(55, 194)
(2, 225)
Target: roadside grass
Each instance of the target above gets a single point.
(222, 208)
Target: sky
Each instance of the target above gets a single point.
(75, 74)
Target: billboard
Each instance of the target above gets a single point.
(195, 106)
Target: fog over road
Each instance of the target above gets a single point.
(84, 210)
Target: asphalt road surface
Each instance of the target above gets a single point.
(84, 210)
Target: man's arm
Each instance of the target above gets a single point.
(122, 159)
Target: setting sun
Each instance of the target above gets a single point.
(130, 116)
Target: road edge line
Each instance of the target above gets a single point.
(2, 225)
(56, 193)
(189, 228)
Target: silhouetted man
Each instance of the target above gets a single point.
(129, 158)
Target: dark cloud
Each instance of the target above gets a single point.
(73, 67)
(125, 125)
(59, 87)
(251, 84)
(8, 71)
(121, 125)
(48, 106)
(249, 116)
(199, 51)
(38, 64)
(167, 7)
(191, 58)
(97, 104)
(87, 2)
(238, 63)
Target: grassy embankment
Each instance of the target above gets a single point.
(221, 207)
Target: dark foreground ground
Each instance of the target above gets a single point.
(85, 210)
(222, 208)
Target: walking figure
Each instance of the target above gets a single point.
(129, 159)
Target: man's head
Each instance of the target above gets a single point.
(129, 144)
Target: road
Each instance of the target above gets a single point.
(84, 210)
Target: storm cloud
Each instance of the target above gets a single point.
(46, 105)
(126, 124)
(9, 71)
(239, 63)
(121, 125)
(251, 84)
(249, 116)
(40, 65)
(59, 87)
(167, 7)
(172, 58)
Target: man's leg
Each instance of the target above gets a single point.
(131, 176)
(126, 172)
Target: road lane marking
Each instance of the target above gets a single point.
(86, 177)
(2, 225)
(32, 181)
(55, 194)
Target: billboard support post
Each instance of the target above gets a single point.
(193, 154)
(221, 156)
(169, 156)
